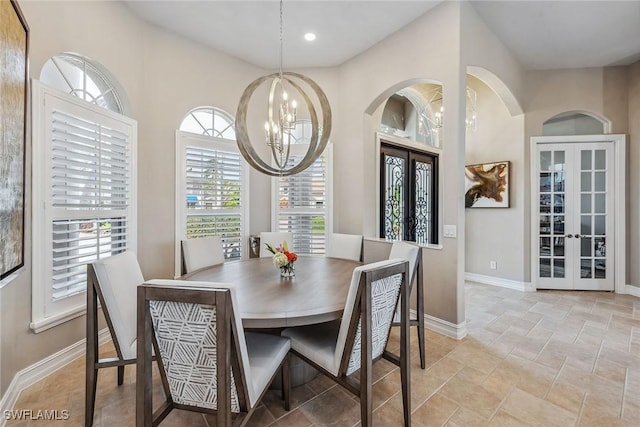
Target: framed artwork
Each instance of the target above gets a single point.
(14, 43)
(486, 185)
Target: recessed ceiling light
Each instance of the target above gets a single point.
(309, 37)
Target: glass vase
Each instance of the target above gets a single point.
(288, 270)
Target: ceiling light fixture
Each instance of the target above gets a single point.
(283, 112)
(309, 37)
(438, 110)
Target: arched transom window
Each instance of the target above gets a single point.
(86, 79)
(209, 121)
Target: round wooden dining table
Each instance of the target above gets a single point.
(317, 293)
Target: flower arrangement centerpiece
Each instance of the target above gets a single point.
(283, 259)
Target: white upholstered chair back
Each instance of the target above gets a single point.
(407, 252)
(118, 276)
(344, 246)
(385, 291)
(202, 252)
(275, 238)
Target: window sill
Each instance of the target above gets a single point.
(43, 324)
(437, 247)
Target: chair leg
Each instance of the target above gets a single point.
(421, 345)
(286, 383)
(120, 375)
(366, 405)
(90, 398)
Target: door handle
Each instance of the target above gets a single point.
(577, 236)
(568, 236)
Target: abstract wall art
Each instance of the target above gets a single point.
(487, 185)
(14, 41)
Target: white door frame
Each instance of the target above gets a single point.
(619, 176)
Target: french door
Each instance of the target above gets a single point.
(574, 215)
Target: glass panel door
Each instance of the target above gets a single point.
(574, 215)
(593, 213)
(553, 218)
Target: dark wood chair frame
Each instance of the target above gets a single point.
(363, 387)
(93, 362)
(226, 345)
(418, 322)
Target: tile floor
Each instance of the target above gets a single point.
(549, 358)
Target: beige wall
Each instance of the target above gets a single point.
(599, 91)
(491, 234)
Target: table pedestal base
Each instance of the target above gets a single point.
(300, 373)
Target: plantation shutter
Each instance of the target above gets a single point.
(213, 196)
(302, 206)
(90, 197)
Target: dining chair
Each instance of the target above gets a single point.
(201, 252)
(413, 254)
(111, 281)
(344, 246)
(207, 363)
(275, 238)
(340, 348)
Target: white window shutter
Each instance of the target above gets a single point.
(213, 188)
(302, 206)
(85, 184)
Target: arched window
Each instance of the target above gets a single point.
(84, 172)
(83, 78)
(574, 123)
(209, 121)
(212, 182)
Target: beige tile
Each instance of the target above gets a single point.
(466, 418)
(610, 370)
(293, 419)
(566, 396)
(335, 407)
(533, 377)
(434, 412)
(471, 394)
(532, 409)
(503, 419)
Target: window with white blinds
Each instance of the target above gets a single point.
(302, 203)
(211, 183)
(84, 183)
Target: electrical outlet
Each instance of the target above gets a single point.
(493, 265)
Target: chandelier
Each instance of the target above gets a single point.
(283, 111)
(437, 109)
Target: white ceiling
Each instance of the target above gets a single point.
(541, 34)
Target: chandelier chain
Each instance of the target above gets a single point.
(281, 32)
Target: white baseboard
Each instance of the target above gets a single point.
(632, 290)
(34, 373)
(497, 281)
(443, 327)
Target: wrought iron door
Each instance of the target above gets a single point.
(408, 195)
